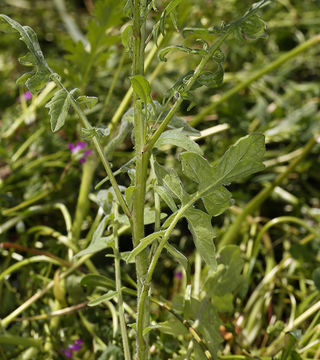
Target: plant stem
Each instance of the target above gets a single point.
(231, 234)
(141, 174)
(191, 81)
(98, 147)
(272, 66)
(83, 202)
(123, 326)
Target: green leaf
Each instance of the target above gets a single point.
(166, 197)
(316, 277)
(95, 131)
(196, 167)
(89, 101)
(178, 138)
(142, 88)
(203, 233)
(164, 52)
(127, 36)
(228, 275)
(199, 170)
(98, 280)
(217, 200)
(108, 296)
(182, 260)
(242, 159)
(177, 122)
(35, 80)
(98, 242)
(145, 242)
(211, 79)
(253, 28)
(173, 183)
(58, 109)
(149, 216)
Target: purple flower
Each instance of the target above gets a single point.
(77, 345)
(76, 150)
(178, 275)
(67, 353)
(27, 96)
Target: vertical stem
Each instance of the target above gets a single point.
(83, 201)
(123, 327)
(141, 170)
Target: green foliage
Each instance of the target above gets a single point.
(58, 109)
(244, 301)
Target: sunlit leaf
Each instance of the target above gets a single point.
(178, 138)
(58, 108)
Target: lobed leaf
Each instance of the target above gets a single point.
(178, 138)
(35, 80)
(58, 108)
(203, 233)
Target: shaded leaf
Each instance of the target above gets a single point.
(108, 296)
(228, 275)
(142, 88)
(145, 242)
(181, 258)
(98, 242)
(98, 280)
(89, 101)
(165, 196)
(203, 233)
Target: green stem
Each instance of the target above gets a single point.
(7, 320)
(272, 66)
(112, 86)
(231, 234)
(28, 261)
(188, 86)
(123, 326)
(141, 174)
(83, 201)
(96, 143)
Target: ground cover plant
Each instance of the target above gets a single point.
(159, 171)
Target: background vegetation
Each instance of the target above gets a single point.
(269, 302)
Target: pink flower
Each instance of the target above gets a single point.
(27, 96)
(77, 150)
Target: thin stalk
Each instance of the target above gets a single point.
(231, 234)
(99, 149)
(123, 325)
(112, 86)
(179, 101)
(266, 227)
(128, 96)
(83, 203)
(257, 75)
(7, 320)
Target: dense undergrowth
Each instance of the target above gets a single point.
(63, 234)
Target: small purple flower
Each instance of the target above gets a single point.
(77, 345)
(67, 353)
(27, 96)
(178, 275)
(76, 149)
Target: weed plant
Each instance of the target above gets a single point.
(119, 155)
